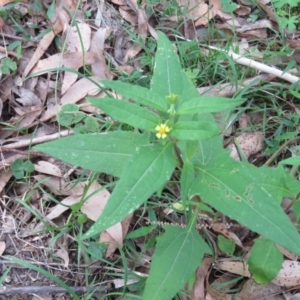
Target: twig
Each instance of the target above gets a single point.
(259, 66)
(228, 89)
(7, 290)
(38, 140)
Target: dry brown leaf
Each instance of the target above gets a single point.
(64, 254)
(128, 15)
(3, 2)
(78, 39)
(268, 10)
(58, 209)
(45, 167)
(58, 186)
(99, 66)
(288, 276)
(107, 237)
(243, 10)
(2, 247)
(5, 176)
(28, 98)
(256, 25)
(249, 142)
(77, 91)
(40, 50)
(74, 60)
(26, 118)
(198, 291)
(213, 294)
(222, 229)
(253, 290)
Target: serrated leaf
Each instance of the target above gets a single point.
(178, 253)
(265, 261)
(137, 93)
(167, 76)
(208, 104)
(249, 195)
(127, 113)
(149, 168)
(105, 152)
(194, 130)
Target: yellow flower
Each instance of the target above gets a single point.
(162, 129)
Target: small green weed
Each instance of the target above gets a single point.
(175, 131)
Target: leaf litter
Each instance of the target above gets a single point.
(32, 95)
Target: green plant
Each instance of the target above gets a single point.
(20, 167)
(7, 65)
(175, 130)
(287, 13)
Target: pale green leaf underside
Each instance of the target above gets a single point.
(149, 168)
(178, 253)
(265, 261)
(137, 93)
(167, 77)
(194, 130)
(127, 113)
(249, 195)
(105, 152)
(208, 104)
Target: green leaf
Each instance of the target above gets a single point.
(105, 152)
(226, 245)
(194, 130)
(265, 261)
(28, 166)
(137, 93)
(291, 161)
(250, 195)
(127, 113)
(186, 178)
(167, 76)
(149, 168)
(208, 104)
(178, 253)
(228, 6)
(140, 232)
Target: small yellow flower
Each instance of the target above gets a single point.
(162, 129)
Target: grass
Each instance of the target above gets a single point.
(271, 101)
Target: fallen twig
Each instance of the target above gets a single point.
(258, 66)
(39, 140)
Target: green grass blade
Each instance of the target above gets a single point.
(44, 272)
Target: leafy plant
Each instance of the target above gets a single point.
(175, 130)
(7, 65)
(20, 167)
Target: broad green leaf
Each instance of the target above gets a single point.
(137, 93)
(226, 245)
(249, 195)
(178, 253)
(105, 152)
(127, 113)
(194, 130)
(265, 261)
(291, 161)
(186, 178)
(148, 169)
(208, 104)
(167, 76)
